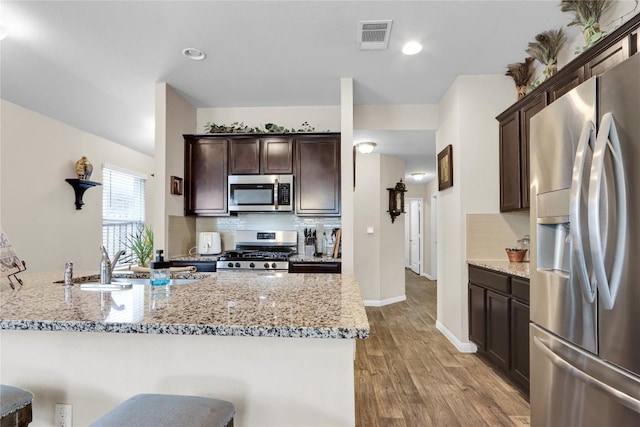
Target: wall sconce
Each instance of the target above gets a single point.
(365, 147)
(396, 200)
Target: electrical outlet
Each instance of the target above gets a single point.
(63, 415)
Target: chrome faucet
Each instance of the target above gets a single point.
(107, 266)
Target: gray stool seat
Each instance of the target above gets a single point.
(15, 406)
(157, 410)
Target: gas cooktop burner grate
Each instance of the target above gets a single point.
(255, 255)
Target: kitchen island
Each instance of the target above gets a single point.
(279, 346)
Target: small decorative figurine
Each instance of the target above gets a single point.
(84, 168)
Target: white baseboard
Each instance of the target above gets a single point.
(380, 303)
(428, 276)
(463, 347)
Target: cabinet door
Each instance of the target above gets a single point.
(477, 322)
(607, 59)
(520, 343)
(206, 176)
(526, 112)
(317, 179)
(498, 329)
(510, 183)
(244, 156)
(565, 83)
(276, 156)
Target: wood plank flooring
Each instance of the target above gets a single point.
(408, 374)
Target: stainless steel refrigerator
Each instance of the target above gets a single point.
(585, 254)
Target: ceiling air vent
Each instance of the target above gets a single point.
(374, 34)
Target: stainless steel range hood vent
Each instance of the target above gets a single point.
(374, 35)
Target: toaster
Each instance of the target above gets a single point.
(209, 243)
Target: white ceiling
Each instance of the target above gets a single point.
(94, 64)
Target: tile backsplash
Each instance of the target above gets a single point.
(227, 227)
(489, 234)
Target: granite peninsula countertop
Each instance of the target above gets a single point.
(520, 269)
(228, 304)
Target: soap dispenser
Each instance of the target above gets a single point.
(160, 273)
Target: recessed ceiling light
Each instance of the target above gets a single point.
(411, 48)
(194, 53)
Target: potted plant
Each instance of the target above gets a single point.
(587, 14)
(140, 247)
(546, 48)
(521, 72)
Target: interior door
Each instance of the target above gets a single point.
(416, 235)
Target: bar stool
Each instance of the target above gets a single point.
(166, 410)
(15, 406)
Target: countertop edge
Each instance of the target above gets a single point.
(168, 329)
(519, 269)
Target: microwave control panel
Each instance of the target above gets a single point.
(284, 194)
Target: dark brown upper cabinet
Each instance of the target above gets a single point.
(277, 155)
(205, 176)
(510, 173)
(244, 156)
(514, 121)
(317, 175)
(254, 155)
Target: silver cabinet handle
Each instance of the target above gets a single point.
(275, 194)
(626, 400)
(587, 140)
(607, 139)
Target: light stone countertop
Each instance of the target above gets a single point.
(228, 304)
(520, 269)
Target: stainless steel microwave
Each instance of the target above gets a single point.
(260, 193)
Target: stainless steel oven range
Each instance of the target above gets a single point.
(260, 250)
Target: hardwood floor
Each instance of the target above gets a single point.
(409, 374)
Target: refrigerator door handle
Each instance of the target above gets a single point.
(587, 139)
(624, 399)
(608, 287)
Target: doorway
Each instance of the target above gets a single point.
(413, 235)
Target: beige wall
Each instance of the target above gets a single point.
(467, 122)
(38, 210)
(175, 116)
(395, 117)
(368, 198)
(379, 257)
(322, 118)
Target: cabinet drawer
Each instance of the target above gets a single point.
(520, 289)
(315, 267)
(489, 279)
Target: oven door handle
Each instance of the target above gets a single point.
(275, 194)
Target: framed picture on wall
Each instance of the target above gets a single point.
(445, 168)
(176, 185)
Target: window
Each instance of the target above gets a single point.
(122, 206)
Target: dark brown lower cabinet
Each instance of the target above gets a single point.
(499, 322)
(315, 267)
(498, 329)
(477, 315)
(520, 343)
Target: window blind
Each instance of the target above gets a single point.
(123, 207)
